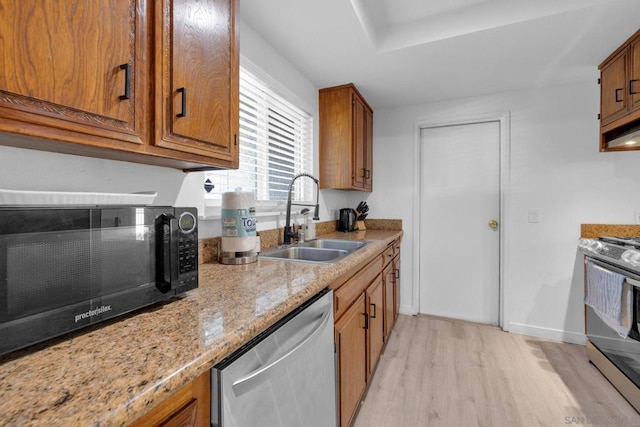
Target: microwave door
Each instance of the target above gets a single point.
(124, 248)
(43, 271)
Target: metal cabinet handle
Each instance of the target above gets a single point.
(269, 371)
(167, 252)
(367, 173)
(631, 91)
(397, 274)
(374, 315)
(618, 91)
(183, 91)
(366, 320)
(127, 81)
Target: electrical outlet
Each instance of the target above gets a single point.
(637, 216)
(534, 215)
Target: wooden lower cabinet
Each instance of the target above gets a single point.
(396, 286)
(375, 323)
(389, 300)
(391, 277)
(188, 407)
(350, 336)
(364, 313)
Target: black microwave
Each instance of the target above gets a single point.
(65, 268)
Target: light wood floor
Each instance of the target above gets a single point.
(441, 372)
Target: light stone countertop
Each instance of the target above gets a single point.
(594, 231)
(114, 372)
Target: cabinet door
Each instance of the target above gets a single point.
(375, 331)
(634, 79)
(396, 287)
(189, 406)
(75, 71)
(389, 302)
(613, 94)
(359, 153)
(351, 356)
(346, 139)
(368, 149)
(197, 79)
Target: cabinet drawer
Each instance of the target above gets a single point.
(346, 294)
(387, 255)
(396, 248)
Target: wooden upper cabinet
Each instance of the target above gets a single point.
(620, 96)
(75, 71)
(613, 93)
(346, 139)
(634, 80)
(368, 149)
(197, 91)
(137, 80)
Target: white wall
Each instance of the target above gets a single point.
(555, 167)
(22, 169)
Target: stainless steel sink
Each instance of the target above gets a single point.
(346, 245)
(320, 250)
(302, 253)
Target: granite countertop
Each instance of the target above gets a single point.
(593, 231)
(114, 372)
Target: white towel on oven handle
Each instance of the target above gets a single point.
(610, 297)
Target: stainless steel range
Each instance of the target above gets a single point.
(612, 310)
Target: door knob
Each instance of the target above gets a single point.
(493, 224)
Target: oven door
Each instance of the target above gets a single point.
(624, 353)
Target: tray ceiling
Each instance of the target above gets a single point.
(403, 52)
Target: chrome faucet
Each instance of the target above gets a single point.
(288, 232)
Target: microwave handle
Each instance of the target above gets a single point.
(166, 252)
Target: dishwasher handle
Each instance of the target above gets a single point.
(264, 373)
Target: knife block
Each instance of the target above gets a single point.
(360, 225)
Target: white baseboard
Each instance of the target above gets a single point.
(408, 310)
(552, 334)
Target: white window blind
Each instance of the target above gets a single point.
(276, 143)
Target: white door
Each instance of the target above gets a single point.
(459, 222)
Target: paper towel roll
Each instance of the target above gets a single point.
(238, 221)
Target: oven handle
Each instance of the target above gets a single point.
(632, 281)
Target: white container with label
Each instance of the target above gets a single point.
(238, 223)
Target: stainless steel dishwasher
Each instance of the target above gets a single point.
(284, 377)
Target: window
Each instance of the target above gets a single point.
(276, 143)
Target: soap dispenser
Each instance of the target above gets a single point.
(310, 228)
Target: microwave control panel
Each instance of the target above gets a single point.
(187, 252)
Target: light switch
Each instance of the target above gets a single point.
(534, 215)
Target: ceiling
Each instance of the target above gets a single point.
(405, 52)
